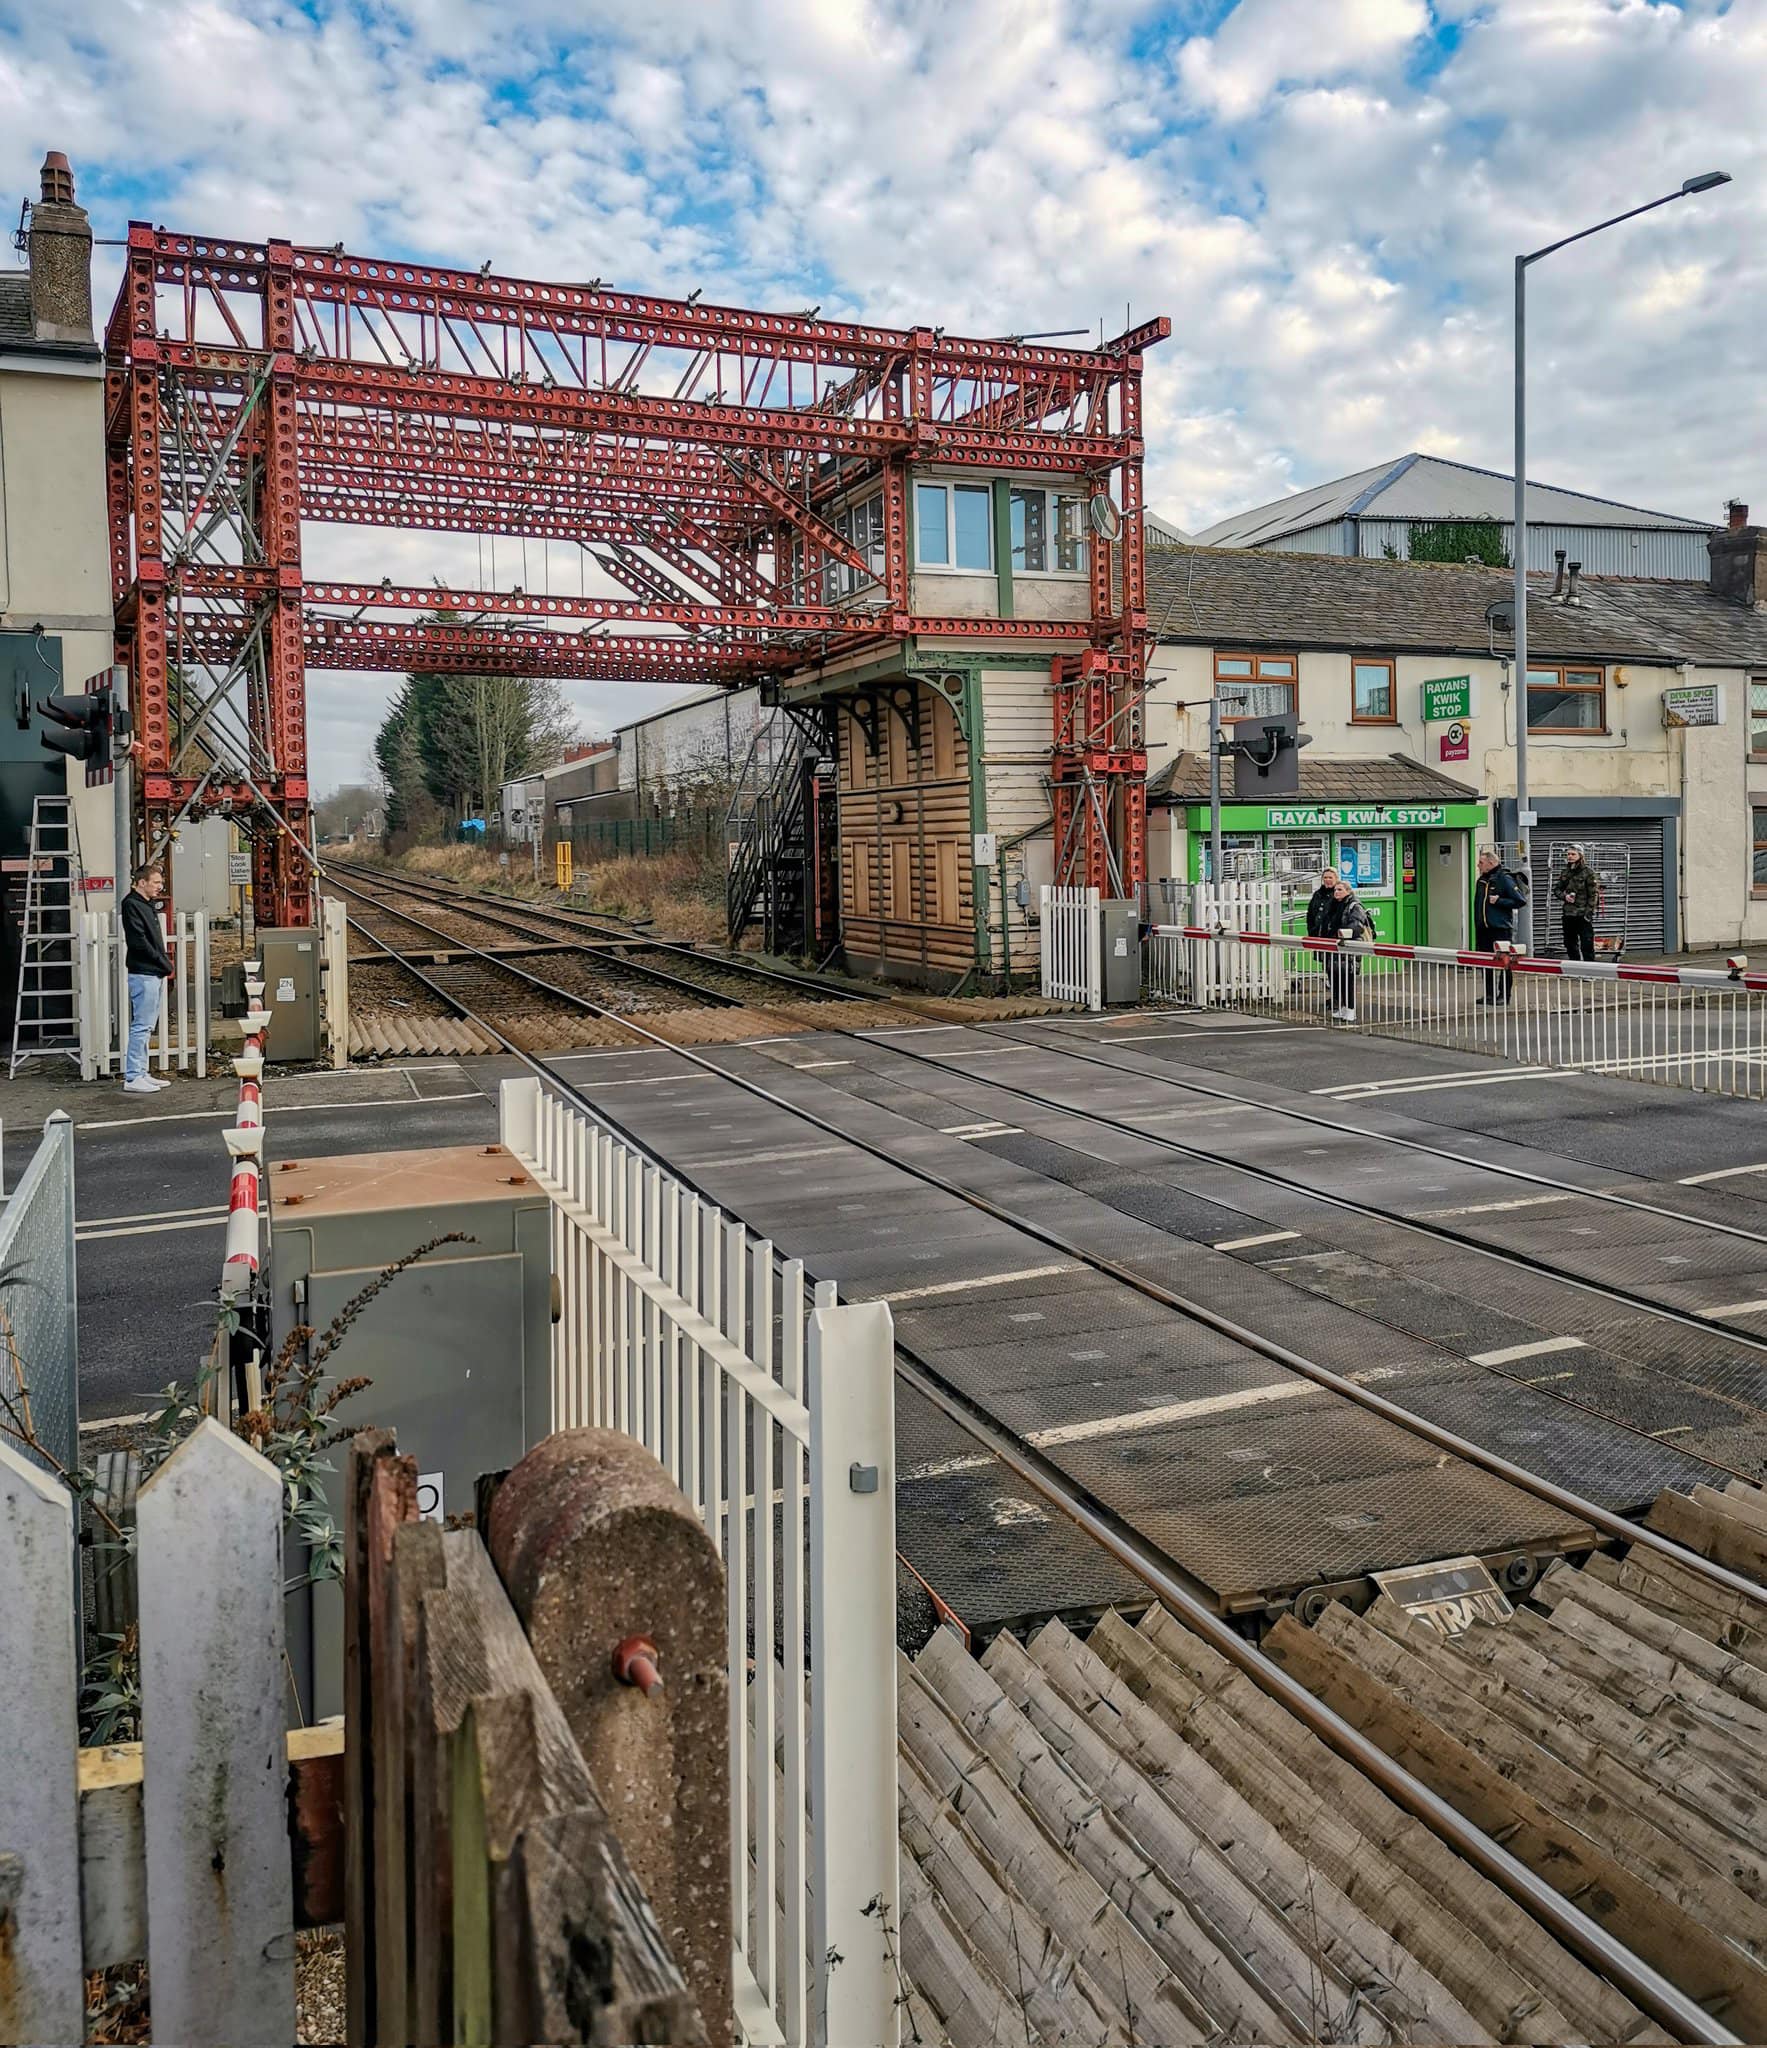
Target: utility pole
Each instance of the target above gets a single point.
(1519, 547)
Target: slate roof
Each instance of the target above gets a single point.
(1249, 597)
(1123, 1839)
(1380, 779)
(1428, 487)
(15, 308)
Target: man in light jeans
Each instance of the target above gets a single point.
(150, 968)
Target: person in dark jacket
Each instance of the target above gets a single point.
(1346, 920)
(150, 968)
(1319, 903)
(1496, 899)
(1579, 897)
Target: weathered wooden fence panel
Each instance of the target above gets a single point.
(220, 1918)
(42, 1991)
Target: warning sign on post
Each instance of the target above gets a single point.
(1456, 745)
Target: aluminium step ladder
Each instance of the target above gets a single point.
(46, 1019)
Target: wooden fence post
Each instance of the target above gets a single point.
(367, 1447)
(42, 1989)
(220, 1912)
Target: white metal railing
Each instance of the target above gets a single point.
(181, 1038)
(1072, 946)
(1680, 1027)
(772, 1409)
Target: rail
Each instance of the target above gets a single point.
(772, 1409)
(1679, 1027)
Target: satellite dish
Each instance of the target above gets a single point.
(1107, 521)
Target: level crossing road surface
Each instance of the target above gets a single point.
(1254, 1480)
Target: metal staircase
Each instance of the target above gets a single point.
(769, 825)
(46, 1019)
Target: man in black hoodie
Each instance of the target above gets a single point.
(150, 968)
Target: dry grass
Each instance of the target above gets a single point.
(682, 893)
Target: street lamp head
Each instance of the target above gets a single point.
(1704, 182)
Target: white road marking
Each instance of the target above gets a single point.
(655, 1080)
(985, 1052)
(1694, 1180)
(805, 1066)
(1736, 1308)
(765, 1158)
(1244, 1244)
(1387, 1091)
(1494, 1208)
(1408, 1080)
(152, 1229)
(1512, 1352)
(978, 1130)
(1187, 1411)
(189, 1116)
(908, 1031)
(964, 1286)
(118, 1421)
(150, 1216)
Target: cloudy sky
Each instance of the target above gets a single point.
(1324, 195)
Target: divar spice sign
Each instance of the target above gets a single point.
(1447, 697)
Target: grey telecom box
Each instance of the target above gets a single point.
(457, 1348)
(1120, 938)
(290, 954)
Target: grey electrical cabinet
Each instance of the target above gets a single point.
(290, 954)
(1120, 937)
(456, 1349)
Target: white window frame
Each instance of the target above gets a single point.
(949, 486)
(1054, 496)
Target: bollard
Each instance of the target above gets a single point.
(622, 1596)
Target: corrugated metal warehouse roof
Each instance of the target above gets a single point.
(1429, 487)
(1126, 1840)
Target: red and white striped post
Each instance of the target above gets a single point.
(245, 1146)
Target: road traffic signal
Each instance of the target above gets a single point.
(93, 730)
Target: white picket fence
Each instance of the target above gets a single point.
(187, 1863)
(772, 1409)
(1176, 969)
(182, 1037)
(1072, 946)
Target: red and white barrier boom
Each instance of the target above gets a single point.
(245, 1146)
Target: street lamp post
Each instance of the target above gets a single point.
(1519, 546)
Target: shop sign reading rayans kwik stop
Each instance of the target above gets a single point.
(1447, 697)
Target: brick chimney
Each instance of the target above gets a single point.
(61, 258)
(1739, 560)
(1736, 515)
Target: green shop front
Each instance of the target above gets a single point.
(1410, 859)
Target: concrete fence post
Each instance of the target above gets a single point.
(621, 1593)
(855, 1879)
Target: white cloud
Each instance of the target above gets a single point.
(1325, 195)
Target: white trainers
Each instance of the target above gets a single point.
(142, 1087)
(152, 1082)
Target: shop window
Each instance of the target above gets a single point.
(1759, 815)
(1048, 533)
(1255, 685)
(1373, 697)
(1567, 700)
(1365, 860)
(954, 526)
(1242, 856)
(1297, 859)
(1758, 717)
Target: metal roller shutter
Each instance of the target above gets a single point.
(1639, 879)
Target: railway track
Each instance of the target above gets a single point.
(1165, 1578)
(1653, 1317)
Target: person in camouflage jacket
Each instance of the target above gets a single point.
(1578, 895)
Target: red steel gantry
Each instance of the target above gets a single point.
(692, 455)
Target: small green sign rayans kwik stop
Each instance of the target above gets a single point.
(1447, 697)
